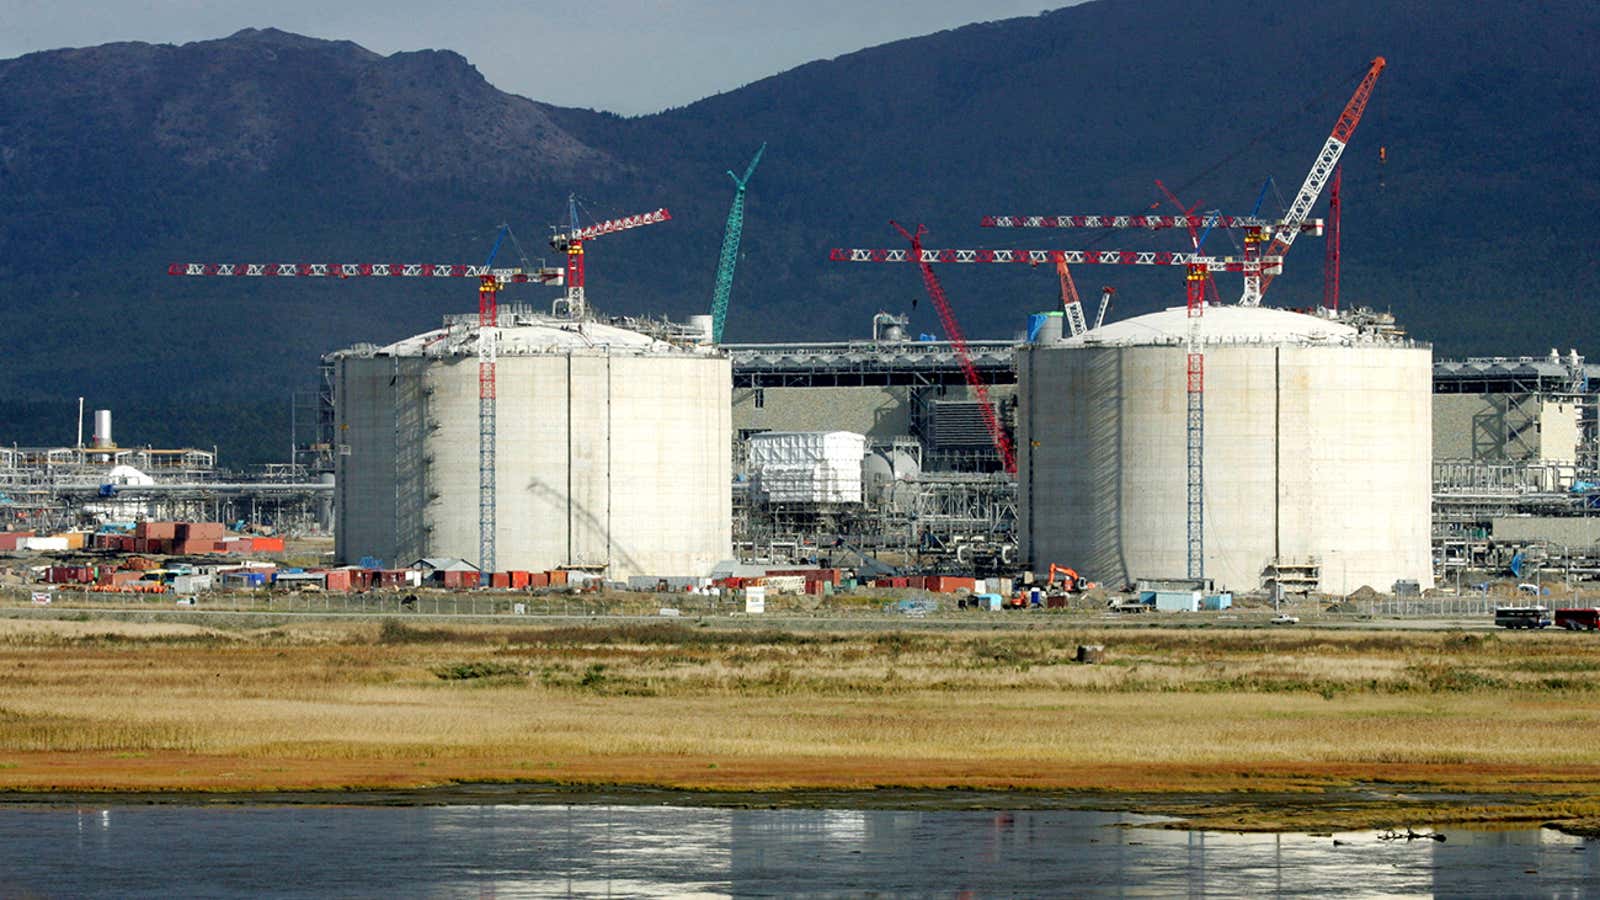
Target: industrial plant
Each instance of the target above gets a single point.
(1225, 447)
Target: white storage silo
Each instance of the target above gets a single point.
(612, 449)
(1318, 451)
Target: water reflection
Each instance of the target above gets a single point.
(539, 851)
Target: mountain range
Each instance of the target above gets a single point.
(116, 160)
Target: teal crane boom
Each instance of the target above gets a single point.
(730, 249)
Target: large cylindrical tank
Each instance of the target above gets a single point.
(1318, 451)
(611, 450)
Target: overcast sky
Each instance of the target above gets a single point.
(626, 56)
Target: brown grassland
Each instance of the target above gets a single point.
(1240, 728)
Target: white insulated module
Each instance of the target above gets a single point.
(1318, 451)
(612, 449)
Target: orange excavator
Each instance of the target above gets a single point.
(1071, 583)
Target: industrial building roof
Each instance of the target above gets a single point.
(1228, 324)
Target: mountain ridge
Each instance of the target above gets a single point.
(117, 160)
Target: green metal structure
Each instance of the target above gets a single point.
(730, 249)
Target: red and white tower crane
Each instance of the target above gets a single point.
(490, 281)
(572, 240)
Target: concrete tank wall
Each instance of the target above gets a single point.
(614, 460)
(1311, 452)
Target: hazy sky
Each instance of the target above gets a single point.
(627, 56)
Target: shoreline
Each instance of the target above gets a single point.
(1276, 803)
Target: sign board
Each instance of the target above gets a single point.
(520, 609)
(755, 599)
(41, 598)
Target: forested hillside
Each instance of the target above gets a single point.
(264, 146)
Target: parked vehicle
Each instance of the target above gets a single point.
(1285, 619)
(1578, 619)
(1522, 617)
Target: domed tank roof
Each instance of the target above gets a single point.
(1225, 324)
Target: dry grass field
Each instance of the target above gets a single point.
(1245, 717)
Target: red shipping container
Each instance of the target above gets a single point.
(159, 531)
(519, 580)
(267, 545)
(199, 531)
(500, 579)
(125, 577)
(338, 579)
(9, 540)
(463, 579)
(538, 579)
(558, 577)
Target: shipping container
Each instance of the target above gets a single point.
(75, 539)
(197, 531)
(460, 579)
(42, 543)
(500, 580)
(10, 540)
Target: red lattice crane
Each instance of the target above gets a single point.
(958, 342)
(1194, 234)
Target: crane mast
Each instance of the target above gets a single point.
(1195, 436)
(1330, 259)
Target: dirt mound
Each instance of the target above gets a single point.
(1363, 594)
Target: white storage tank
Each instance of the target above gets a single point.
(1318, 451)
(612, 449)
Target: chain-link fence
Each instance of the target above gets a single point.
(425, 602)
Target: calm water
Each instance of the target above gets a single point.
(630, 851)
